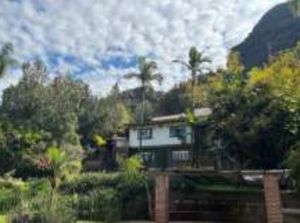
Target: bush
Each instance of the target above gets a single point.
(10, 193)
(101, 205)
(37, 210)
(3, 219)
(293, 163)
(9, 199)
(86, 182)
(95, 190)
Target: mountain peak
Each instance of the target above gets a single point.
(279, 29)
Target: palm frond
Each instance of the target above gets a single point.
(182, 63)
(205, 60)
(158, 77)
(131, 76)
(6, 59)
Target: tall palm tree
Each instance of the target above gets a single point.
(196, 66)
(146, 75)
(6, 58)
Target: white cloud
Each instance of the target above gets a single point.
(91, 30)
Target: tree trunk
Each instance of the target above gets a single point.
(194, 82)
(194, 153)
(142, 116)
(149, 200)
(53, 186)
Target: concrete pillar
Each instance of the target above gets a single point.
(162, 198)
(272, 198)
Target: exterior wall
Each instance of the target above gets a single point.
(160, 136)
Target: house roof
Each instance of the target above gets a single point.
(199, 112)
(181, 117)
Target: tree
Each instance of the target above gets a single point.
(296, 6)
(147, 74)
(196, 66)
(174, 101)
(6, 58)
(256, 117)
(22, 102)
(293, 162)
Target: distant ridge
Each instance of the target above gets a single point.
(279, 29)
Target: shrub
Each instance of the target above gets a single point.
(86, 182)
(95, 192)
(37, 210)
(10, 193)
(293, 163)
(3, 219)
(101, 205)
(9, 199)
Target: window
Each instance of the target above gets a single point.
(146, 156)
(145, 133)
(180, 155)
(178, 132)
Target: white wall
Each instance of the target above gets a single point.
(160, 136)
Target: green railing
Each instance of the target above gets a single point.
(162, 158)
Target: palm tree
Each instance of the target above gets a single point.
(57, 165)
(6, 58)
(195, 66)
(57, 160)
(146, 75)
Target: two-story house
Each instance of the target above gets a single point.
(165, 141)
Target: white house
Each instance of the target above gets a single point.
(165, 133)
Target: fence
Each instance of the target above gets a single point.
(162, 158)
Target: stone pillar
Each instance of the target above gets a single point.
(272, 198)
(162, 198)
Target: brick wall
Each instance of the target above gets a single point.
(161, 198)
(272, 198)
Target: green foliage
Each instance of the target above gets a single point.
(197, 66)
(97, 191)
(86, 182)
(6, 58)
(295, 6)
(132, 170)
(99, 204)
(3, 219)
(147, 74)
(36, 211)
(293, 163)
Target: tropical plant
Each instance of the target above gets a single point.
(133, 167)
(293, 163)
(146, 75)
(6, 58)
(196, 65)
(59, 166)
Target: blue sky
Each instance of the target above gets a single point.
(100, 40)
